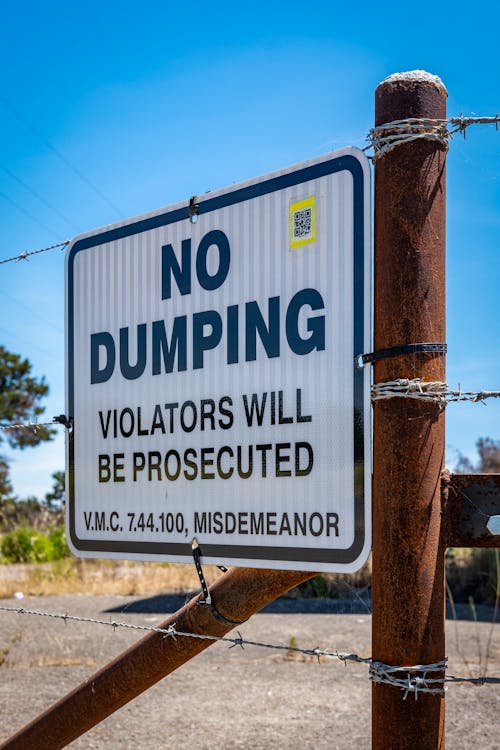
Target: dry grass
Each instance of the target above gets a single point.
(88, 576)
(338, 585)
(471, 574)
(121, 577)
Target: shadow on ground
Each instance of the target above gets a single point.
(163, 604)
(168, 603)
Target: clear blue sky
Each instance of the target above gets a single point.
(158, 101)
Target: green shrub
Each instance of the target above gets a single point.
(316, 587)
(41, 548)
(59, 546)
(25, 545)
(17, 546)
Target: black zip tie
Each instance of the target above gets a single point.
(223, 619)
(193, 209)
(207, 599)
(64, 420)
(394, 351)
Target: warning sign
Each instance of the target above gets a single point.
(211, 376)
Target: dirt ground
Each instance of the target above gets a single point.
(231, 698)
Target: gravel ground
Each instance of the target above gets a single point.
(229, 698)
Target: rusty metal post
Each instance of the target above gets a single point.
(408, 554)
(235, 597)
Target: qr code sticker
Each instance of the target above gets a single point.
(302, 224)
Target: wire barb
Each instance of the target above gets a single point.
(27, 253)
(414, 679)
(384, 138)
(435, 391)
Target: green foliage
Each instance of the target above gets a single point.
(20, 396)
(16, 546)
(5, 485)
(315, 587)
(41, 548)
(30, 513)
(59, 546)
(56, 498)
(8, 505)
(18, 513)
(25, 545)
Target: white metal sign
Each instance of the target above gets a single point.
(211, 377)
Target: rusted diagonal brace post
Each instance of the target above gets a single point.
(236, 596)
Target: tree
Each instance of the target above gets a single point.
(5, 485)
(56, 498)
(20, 396)
(489, 458)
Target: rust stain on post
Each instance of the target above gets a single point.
(408, 556)
(236, 596)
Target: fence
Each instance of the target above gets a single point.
(417, 508)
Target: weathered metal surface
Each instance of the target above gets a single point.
(493, 526)
(236, 596)
(470, 501)
(408, 556)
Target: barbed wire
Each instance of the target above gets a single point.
(411, 682)
(413, 679)
(435, 391)
(27, 253)
(416, 388)
(384, 138)
(35, 426)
